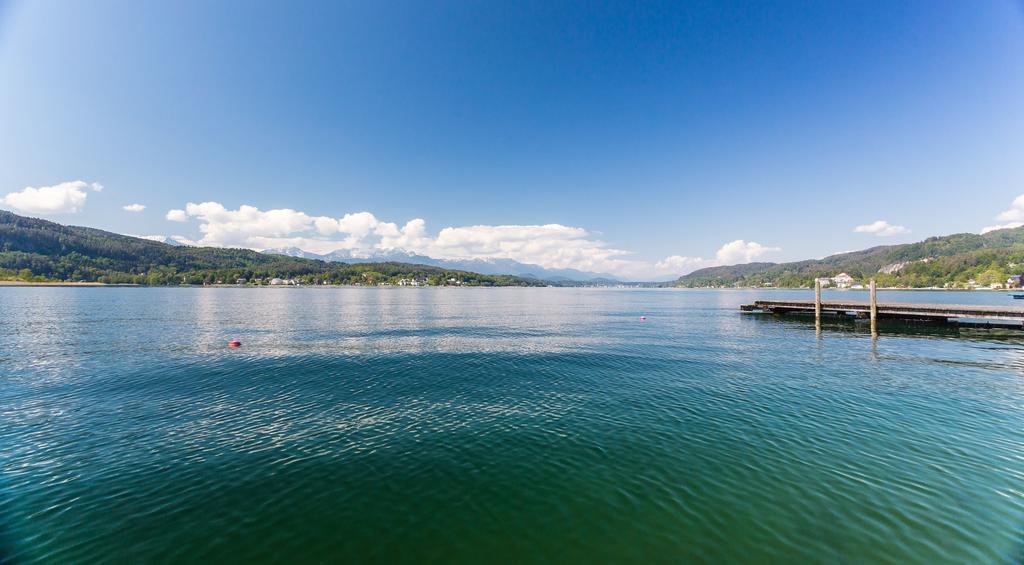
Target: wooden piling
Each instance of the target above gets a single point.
(817, 300)
(874, 302)
(874, 306)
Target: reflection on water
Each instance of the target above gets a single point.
(533, 424)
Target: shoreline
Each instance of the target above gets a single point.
(122, 285)
(24, 283)
(901, 289)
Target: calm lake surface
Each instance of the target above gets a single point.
(499, 425)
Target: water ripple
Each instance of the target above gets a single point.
(520, 425)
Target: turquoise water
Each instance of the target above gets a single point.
(499, 425)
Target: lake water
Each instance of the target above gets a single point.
(499, 425)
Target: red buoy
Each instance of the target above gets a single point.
(235, 343)
(643, 317)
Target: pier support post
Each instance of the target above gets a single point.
(817, 300)
(874, 305)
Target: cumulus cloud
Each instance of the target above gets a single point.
(548, 245)
(881, 228)
(680, 264)
(740, 251)
(1015, 213)
(64, 198)
(359, 224)
(134, 208)
(361, 234)
(413, 237)
(177, 216)
(731, 253)
(247, 224)
(1012, 218)
(326, 226)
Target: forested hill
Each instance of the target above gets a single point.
(950, 260)
(39, 250)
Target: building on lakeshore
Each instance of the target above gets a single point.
(843, 280)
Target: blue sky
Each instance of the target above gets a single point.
(644, 140)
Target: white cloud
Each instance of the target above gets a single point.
(326, 226)
(1012, 218)
(1007, 226)
(731, 253)
(250, 227)
(134, 208)
(413, 237)
(881, 228)
(362, 234)
(740, 251)
(1015, 213)
(64, 198)
(177, 216)
(550, 245)
(680, 265)
(359, 224)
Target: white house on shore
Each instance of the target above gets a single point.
(843, 280)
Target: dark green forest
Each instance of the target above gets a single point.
(949, 261)
(34, 250)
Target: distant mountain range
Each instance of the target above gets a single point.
(482, 266)
(953, 260)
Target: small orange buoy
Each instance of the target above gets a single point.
(235, 343)
(643, 317)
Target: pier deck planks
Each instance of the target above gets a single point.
(892, 309)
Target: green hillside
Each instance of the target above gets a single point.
(39, 250)
(950, 260)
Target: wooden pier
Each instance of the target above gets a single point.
(871, 309)
(891, 310)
